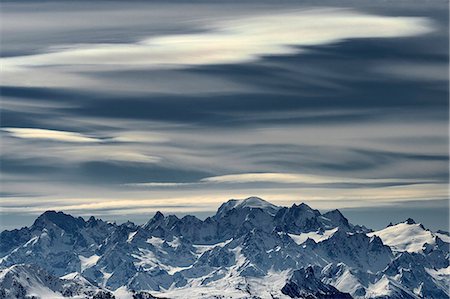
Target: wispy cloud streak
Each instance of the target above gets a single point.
(233, 41)
(290, 178)
(55, 135)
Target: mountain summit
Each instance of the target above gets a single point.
(249, 249)
(254, 203)
(249, 203)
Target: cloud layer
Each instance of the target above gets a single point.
(244, 39)
(124, 110)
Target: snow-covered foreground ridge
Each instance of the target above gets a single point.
(249, 249)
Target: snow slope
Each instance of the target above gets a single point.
(316, 236)
(406, 236)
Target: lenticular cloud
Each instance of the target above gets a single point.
(227, 41)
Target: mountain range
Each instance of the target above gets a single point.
(249, 249)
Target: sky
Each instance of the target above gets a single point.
(120, 109)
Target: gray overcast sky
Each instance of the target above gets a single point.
(118, 109)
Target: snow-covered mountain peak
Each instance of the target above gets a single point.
(250, 202)
(255, 203)
(28, 281)
(406, 236)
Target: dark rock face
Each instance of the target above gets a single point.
(144, 295)
(11, 239)
(63, 221)
(103, 295)
(304, 284)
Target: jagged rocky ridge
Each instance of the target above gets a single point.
(249, 249)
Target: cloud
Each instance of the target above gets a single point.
(237, 40)
(415, 71)
(68, 136)
(54, 135)
(161, 184)
(119, 202)
(272, 180)
(82, 148)
(137, 136)
(293, 178)
(123, 156)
